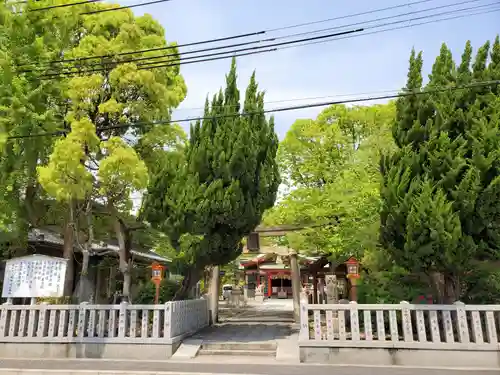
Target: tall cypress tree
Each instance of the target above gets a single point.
(217, 193)
(441, 189)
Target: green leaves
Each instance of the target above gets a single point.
(211, 196)
(121, 171)
(66, 177)
(332, 163)
(439, 189)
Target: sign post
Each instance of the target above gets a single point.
(34, 276)
(156, 277)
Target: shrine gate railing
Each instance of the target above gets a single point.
(85, 323)
(404, 325)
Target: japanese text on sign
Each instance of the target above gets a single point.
(34, 276)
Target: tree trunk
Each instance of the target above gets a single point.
(68, 252)
(124, 244)
(29, 204)
(83, 276)
(213, 297)
(189, 280)
(86, 249)
(446, 288)
(127, 282)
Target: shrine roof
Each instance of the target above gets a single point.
(47, 236)
(273, 266)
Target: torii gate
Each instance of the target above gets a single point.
(253, 243)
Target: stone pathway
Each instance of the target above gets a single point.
(244, 332)
(258, 330)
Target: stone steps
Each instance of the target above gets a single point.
(240, 353)
(252, 349)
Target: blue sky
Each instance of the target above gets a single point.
(353, 65)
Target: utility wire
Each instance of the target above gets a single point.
(488, 11)
(62, 5)
(93, 1)
(297, 99)
(284, 45)
(403, 94)
(339, 27)
(125, 7)
(231, 37)
(266, 40)
(234, 51)
(317, 42)
(239, 36)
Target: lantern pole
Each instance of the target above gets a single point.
(157, 293)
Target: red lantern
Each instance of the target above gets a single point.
(352, 268)
(156, 277)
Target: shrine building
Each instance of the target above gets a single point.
(269, 267)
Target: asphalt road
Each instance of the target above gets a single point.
(223, 368)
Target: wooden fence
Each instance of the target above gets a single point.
(404, 325)
(124, 323)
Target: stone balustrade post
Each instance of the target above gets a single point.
(294, 265)
(3, 317)
(122, 319)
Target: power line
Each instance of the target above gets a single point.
(279, 109)
(241, 35)
(94, 11)
(339, 27)
(286, 45)
(300, 99)
(125, 7)
(488, 11)
(62, 5)
(241, 50)
(404, 14)
(265, 40)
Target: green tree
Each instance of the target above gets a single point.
(217, 192)
(28, 106)
(440, 188)
(95, 160)
(332, 163)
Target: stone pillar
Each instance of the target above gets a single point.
(111, 282)
(332, 294)
(321, 290)
(353, 292)
(296, 287)
(315, 288)
(214, 295)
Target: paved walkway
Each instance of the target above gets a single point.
(270, 320)
(105, 367)
(258, 329)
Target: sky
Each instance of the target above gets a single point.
(353, 65)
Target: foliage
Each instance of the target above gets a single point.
(65, 177)
(440, 188)
(96, 102)
(147, 292)
(121, 172)
(331, 162)
(215, 193)
(231, 274)
(29, 105)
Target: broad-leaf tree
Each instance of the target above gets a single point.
(117, 102)
(332, 164)
(29, 107)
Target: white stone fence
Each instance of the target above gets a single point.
(404, 325)
(85, 323)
